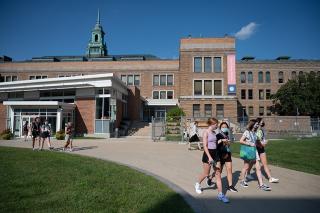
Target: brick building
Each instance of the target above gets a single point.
(97, 91)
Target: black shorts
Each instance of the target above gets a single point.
(213, 153)
(194, 138)
(35, 134)
(225, 157)
(45, 134)
(260, 150)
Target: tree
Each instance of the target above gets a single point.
(299, 96)
(174, 114)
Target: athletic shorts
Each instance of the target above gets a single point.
(225, 157)
(213, 154)
(45, 134)
(35, 134)
(260, 150)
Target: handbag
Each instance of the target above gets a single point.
(248, 152)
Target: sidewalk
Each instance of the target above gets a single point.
(174, 165)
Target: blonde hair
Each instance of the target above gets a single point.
(212, 121)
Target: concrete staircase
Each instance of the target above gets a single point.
(140, 129)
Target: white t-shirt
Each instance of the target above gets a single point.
(250, 136)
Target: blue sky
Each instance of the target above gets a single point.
(264, 29)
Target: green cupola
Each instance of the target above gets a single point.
(96, 46)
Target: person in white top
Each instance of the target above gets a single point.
(249, 138)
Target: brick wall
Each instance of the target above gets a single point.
(3, 117)
(119, 113)
(85, 116)
(134, 103)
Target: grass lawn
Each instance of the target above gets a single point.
(33, 181)
(301, 155)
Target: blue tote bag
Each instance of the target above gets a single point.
(248, 152)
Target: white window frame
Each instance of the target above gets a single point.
(212, 82)
(212, 63)
(166, 91)
(166, 84)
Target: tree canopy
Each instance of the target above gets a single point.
(299, 96)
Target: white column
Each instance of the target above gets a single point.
(59, 119)
(11, 115)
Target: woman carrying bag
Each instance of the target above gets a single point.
(248, 153)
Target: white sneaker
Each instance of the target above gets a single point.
(273, 180)
(198, 188)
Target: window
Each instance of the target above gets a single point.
(261, 94)
(198, 87)
(163, 95)
(269, 110)
(261, 110)
(217, 64)
(268, 78)
(293, 74)
(250, 110)
(96, 38)
(44, 76)
(169, 94)
(207, 64)
(38, 77)
(208, 110)
(250, 94)
(163, 79)
(207, 87)
(217, 87)
(137, 80)
(243, 77)
(32, 77)
(102, 108)
(250, 78)
(197, 64)
(155, 94)
(169, 80)
(300, 73)
(130, 80)
(260, 77)
(8, 79)
(124, 79)
(268, 94)
(280, 77)
(220, 111)
(243, 94)
(196, 110)
(155, 80)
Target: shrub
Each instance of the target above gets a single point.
(174, 114)
(60, 135)
(6, 134)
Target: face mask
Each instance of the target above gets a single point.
(224, 130)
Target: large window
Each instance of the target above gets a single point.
(268, 94)
(197, 64)
(163, 94)
(130, 80)
(169, 80)
(250, 110)
(243, 94)
(243, 77)
(261, 94)
(196, 110)
(250, 78)
(207, 87)
(33, 77)
(260, 77)
(9, 78)
(217, 87)
(220, 111)
(280, 77)
(102, 108)
(261, 110)
(250, 94)
(268, 78)
(137, 80)
(155, 80)
(198, 87)
(207, 64)
(208, 110)
(163, 79)
(217, 64)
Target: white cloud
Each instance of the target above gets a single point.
(247, 31)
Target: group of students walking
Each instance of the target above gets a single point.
(217, 153)
(41, 131)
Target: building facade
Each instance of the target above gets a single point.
(97, 91)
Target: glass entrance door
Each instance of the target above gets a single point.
(30, 119)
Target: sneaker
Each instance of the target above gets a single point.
(244, 184)
(33, 149)
(70, 150)
(265, 187)
(223, 198)
(273, 180)
(210, 182)
(198, 188)
(232, 189)
(249, 177)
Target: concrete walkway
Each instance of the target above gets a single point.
(174, 165)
